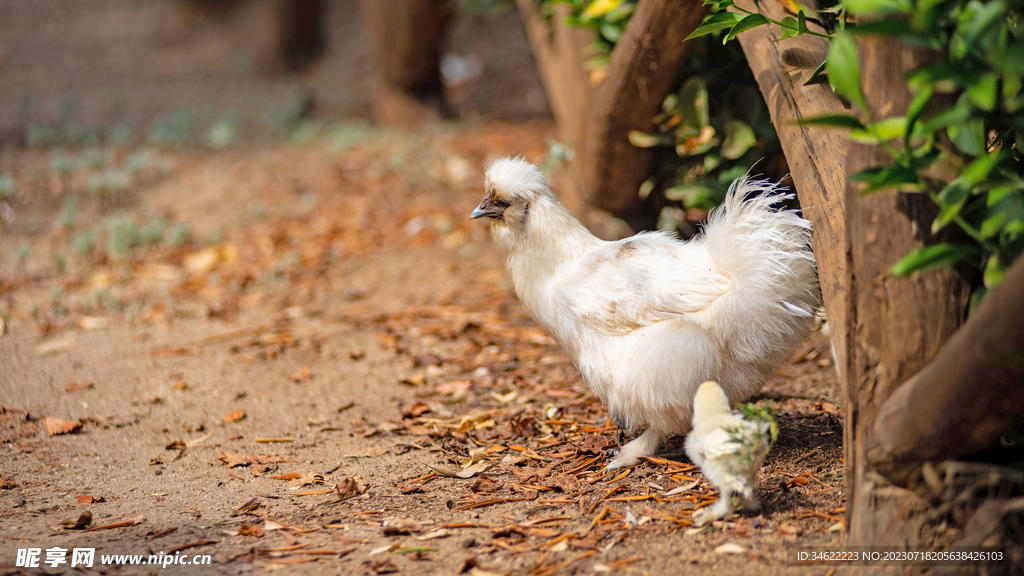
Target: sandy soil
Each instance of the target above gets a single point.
(274, 389)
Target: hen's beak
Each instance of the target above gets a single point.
(488, 210)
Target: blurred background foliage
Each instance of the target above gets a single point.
(712, 129)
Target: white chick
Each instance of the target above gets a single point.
(729, 450)
(649, 318)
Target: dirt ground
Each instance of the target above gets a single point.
(289, 383)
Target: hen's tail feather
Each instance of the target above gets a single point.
(766, 253)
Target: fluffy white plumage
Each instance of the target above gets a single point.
(729, 450)
(649, 318)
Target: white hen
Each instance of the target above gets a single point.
(647, 319)
(729, 450)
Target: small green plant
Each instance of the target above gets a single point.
(84, 245)
(95, 159)
(8, 188)
(104, 299)
(346, 135)
(60, 163)
(60, 262)
(109, 183)
(68, 215)
(222, 133)
(124, 235)
(139, 161)
(179, 234)
(153, 233)
(21, 254)
(172, 130)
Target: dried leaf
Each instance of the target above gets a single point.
(78, 387)
(730, 548)
(55, 426)
(303, 376)
(234, 416)
(594, 444)
(564, 482)
(454, 388)
(351, 486)
(397, 526)
(250, 530)
(484, 485)
(56, 346)
(86, 499)
(527, 473)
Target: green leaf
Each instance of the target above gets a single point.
(695, 196)
(738, 139)
(951, 200)
(843, 71)
(833, 120)
(952, 116)
(751, 21)
(611, 32)
(693, 103)
(914, 111)
(932, 257)
(982, 92)
(994, 272)
(815, 76)
(969, 136)
(789, 27)
(986, 14)
(870, 6)
(645, 140)
(978, 171)
(892, 176)
(881, 131)
(1004, 208)
(801, 23)
(716, 22)
(883, 28)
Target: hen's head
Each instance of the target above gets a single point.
(512, 186)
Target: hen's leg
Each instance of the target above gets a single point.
(644, 445)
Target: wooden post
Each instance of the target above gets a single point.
(895, 326)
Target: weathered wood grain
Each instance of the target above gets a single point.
(966, 397)
(895, 325)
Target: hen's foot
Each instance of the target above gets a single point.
(644, 445)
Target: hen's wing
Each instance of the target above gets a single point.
(642, 280)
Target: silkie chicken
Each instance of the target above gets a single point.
(649, 318)
(729, 448)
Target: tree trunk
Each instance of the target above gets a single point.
(301, 31)
(895, 326)
(561, 54)
(406, 37)
(644, 67)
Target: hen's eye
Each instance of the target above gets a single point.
(500, 204)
